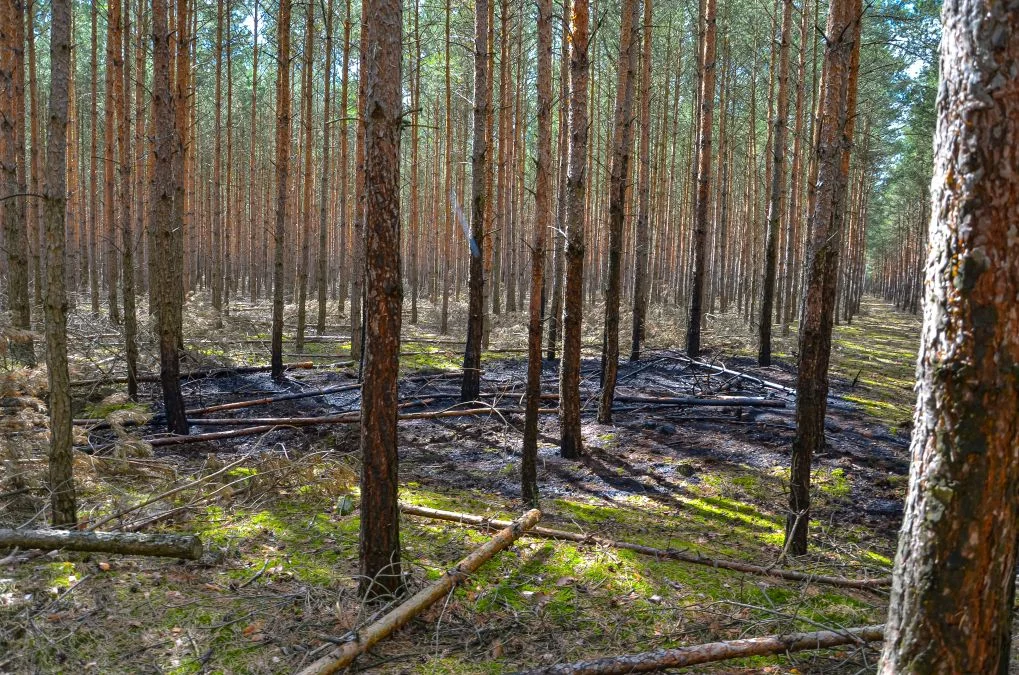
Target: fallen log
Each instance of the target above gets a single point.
(547, 533)
(267, 424)
(127, 543)
(368, 637)
(712, 652)
(207, 373)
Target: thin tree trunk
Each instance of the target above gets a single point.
(776, 194)
(642, 235)
(571, 440)
(837, 116)
(700, 236)
(479, 207)
(63, 510)
(619, 178)
(282, 181)
(542, 221)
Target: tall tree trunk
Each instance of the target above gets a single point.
(642, 236)
(282, 181)
(471, 385)
(954, 582)
(166, 218)
(700, 235)
(556, 303)
(121, 87)
(619, 178)
(253, 225)
(571, 440)
(63, 511)
(309, 180)
(837, 116)
(323, 213)
(412, 270)
(542, 221)
(217, 177)
(111, 231)
(13, 207)
(380, 516)
(776, 194)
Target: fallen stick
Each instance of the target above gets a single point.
(711, 652)
(721, 401)
(202, 374)
(368, 637)
(722, 370)
(126, 543)
(547, 533)
(268, 424)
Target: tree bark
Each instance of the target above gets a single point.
(776, 194)
(619, 178)
(954, 581)
(700, 235)
(166, 219)
(542, 221)
(479, 207)
(63, 510)
(381, 571)
(571, 440)
(642, 229)
(837, 116)
(282, 181)
(12, 40)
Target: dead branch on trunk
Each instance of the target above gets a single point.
(547, 533)
(711, 652)
(368, 637)
(126, 543)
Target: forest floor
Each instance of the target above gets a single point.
(280, 525)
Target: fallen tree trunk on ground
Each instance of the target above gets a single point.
(711, 652)
(126, 543)
(547, 533)
(267, 424)
(721, 401)
(366, 638)
(211, 372)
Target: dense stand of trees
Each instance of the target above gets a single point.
(694, 167)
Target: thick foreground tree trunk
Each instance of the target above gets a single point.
(282, 181)
(952, 594)
(381, 573)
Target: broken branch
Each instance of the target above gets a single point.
(126, 543)
(711, 652)
(368, 637)
(547, 533)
